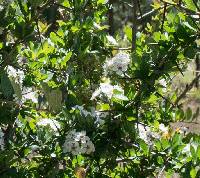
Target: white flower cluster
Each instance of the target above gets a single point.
(99, 116)
(1, 140)
(146, 133)
(110, 91)
(53, 124)
(83, 111)
(78, 143)
(29, 94)
(22, 94)
(118, 64)
(16, 75)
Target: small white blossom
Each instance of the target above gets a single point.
(89, 146)
(53, 155)
(164, 85)
(184, 130)
(118, 64)
(187, 148)
(29, 94)
(53, 124)
(79, 136)
(82, 110)
(100, 116)
(111, 40)
(78, 143)
(107, 89)
(15, 74)
(110, 91)
(146, 134)
(163, 128)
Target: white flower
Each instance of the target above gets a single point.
(12, 72)
(85, 139)
(1, 8)
(111, 40)
(188, 146)
(186, 149)
(29, 94)
(15, 74)
(53, 155)
(184, 130)
(110, 91)
(54, 125)
(163, 128)
(82, 110)
(79, 136)
(118, 64)
(100, 116)
(146, 134)
(78, 143)
(164, 85)
(107, 89)
(89, 147)
(67, 146)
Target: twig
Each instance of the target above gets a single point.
(139, 7)
(148, 14)
(163, 20)
(128, 49)
(166, 99)
(181, 7)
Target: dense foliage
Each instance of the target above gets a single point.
(76, 101)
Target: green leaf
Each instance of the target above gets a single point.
(102, 2)
(190, 5)
(198, 152)
(66, 59)
(193, 173)
(160, 160)
(6, 86)
(128, 32)
(131, 118)
(189, 113)
(103, 107)
(144, 147)
(56, 39)
(193, 152)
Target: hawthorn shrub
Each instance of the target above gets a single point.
(76, 104)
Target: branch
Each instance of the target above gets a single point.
(125, 49)
(148, 14)
(181, 7)
(164, 15)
